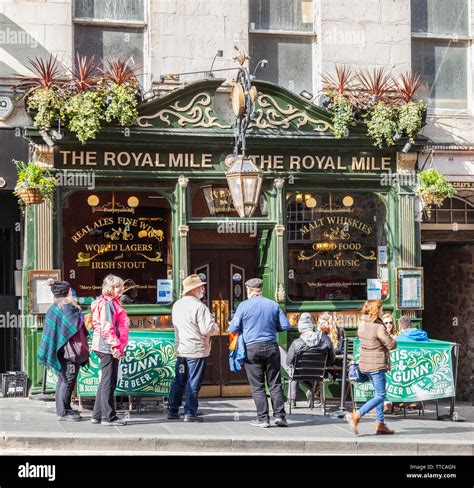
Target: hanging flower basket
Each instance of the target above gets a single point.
(433, 189)
(34, 185)
(31, 196)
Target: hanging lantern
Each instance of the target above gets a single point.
(245, 182)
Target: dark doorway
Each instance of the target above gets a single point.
(10, 336)
(225, 267)
(449, 302)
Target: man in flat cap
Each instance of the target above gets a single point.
(259, 319)
(194, 326)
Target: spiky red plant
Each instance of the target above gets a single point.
(84, 74)
(378, 84)
(340, 83)
(407, 85)
(47, 75)
(120, 72)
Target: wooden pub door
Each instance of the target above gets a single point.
(225, 270)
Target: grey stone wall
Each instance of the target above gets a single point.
(449, 305)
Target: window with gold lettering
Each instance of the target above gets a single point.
(215, 200)
(336, 246)
(124, 233)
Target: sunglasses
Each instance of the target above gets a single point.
(388, 322)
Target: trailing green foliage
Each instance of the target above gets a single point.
(123, 105)
(342, 115)
(381, 125)
(47, 104)
(83, 114)
(409, 119)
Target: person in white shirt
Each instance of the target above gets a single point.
(194, 325)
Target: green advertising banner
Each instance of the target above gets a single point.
(420, 371)
(147, 368)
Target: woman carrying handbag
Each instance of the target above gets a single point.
(374, 362)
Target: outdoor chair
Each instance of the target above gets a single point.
(309, 366)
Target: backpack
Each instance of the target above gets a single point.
(76, 348)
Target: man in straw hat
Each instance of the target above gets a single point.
(194, 326)
(259, 319)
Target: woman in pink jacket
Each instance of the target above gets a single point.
(110, 323)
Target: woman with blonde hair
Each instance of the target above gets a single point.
(389, 323)
(110, 323)
(327, 324)
(374, 361)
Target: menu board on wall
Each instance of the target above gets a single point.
(116, 233)
(410, 288)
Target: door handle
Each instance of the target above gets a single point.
(216, 309)
(225, 316)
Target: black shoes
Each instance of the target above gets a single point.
(173, 416)
(281, 422)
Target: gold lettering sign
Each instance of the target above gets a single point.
(337, 233)
(190, 160)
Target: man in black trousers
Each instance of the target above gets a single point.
(259, 319)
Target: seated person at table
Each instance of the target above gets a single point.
(309, 340)
(389, 323)
(327, 325)
(409, 333)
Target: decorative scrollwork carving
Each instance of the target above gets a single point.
(120, 233)
(197, 113)
(370, 257)
(336, 234)
(156, 259)
(270, 115)
(302, 256)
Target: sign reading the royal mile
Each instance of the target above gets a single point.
(344, 162)
(419, 372)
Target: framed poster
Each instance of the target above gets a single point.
(164, 291)
(410, 291)
(41, 297)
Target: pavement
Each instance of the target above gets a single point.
(30, 426)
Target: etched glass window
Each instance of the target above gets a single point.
(336, 242)
(124, 233)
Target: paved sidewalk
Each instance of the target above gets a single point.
(31, 425)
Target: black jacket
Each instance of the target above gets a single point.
(314, 341)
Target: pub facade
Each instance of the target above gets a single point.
(335, 218)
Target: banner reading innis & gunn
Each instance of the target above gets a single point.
(420, 371)
(147, 368)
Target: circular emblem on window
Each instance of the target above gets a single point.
(202, 276)
(237, 277)
(237, 291)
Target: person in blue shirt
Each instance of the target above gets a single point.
(259, 319)
(409, 333)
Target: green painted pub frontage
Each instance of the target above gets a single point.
(334, 223)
